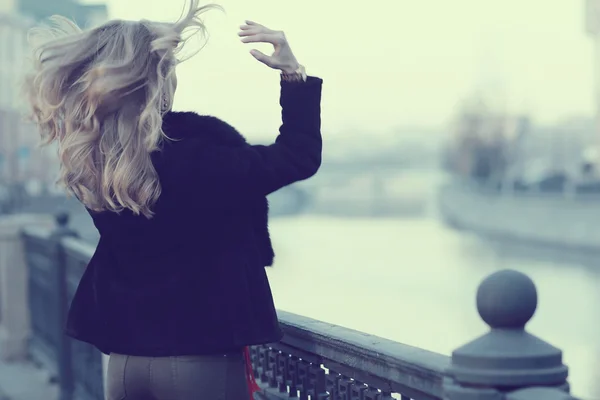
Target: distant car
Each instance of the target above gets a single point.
(553, 183)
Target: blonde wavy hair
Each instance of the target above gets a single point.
(101, 96)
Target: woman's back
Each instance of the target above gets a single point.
(179, 199)
(207, 243)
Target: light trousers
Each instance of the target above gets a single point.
(206, 377)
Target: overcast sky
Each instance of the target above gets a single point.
(388, 63)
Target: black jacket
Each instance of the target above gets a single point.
(191, 280)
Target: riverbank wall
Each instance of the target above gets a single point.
(536, 219)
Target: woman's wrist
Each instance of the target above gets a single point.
(296, 75)
(290, 69)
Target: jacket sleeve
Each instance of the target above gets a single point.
(260, 170)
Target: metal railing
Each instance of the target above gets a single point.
(318, 359)
(315, 359)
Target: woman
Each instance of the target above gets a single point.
(177, 287)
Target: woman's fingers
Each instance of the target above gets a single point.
(260, 37)
(253, 32)
(263, 58)
(252, 23)
(246, 33)
(256, 29)
(247, 30)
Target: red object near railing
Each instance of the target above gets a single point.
(252, 385)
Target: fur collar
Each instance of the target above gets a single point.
(212, 130)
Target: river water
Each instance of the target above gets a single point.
(414, 280)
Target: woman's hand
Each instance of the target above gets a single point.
(282, 58)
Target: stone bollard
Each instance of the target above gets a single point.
(14, 303)
(507, 363)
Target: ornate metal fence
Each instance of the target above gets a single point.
(325, 361)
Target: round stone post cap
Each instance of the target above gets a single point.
(507, 356)
(507, 299)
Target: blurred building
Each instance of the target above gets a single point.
(85, 15)
(559, 149)
(21, 160)
(592, 28)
